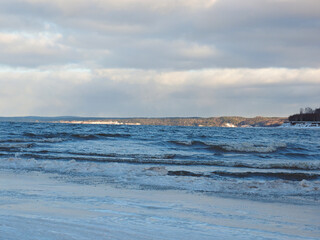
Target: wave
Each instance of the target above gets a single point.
(93, 154)
(14, 147)
(159, 177)
(299, 165)
(98, 136)
(165, 159)
(233, 147)
(297, 155)
(51, 140)
(250, 147)
(68, 158)
(76, 135)
(247, 180)
(99, 157)
(190, 143)
(14, 140)
(84, 136)
(295, 176)
(292, 176)
(114, 135)
(27, 134)
(23, 140)
(186, 173)
(92, 167)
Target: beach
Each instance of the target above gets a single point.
(49, 206)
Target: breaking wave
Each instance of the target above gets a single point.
(164, 159)
(234, 147)
(67, 166)
(243, 183)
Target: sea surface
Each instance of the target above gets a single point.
(271, 164)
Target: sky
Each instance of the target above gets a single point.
(151, 58)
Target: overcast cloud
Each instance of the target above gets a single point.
(159, 58)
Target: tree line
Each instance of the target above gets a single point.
(306, 114)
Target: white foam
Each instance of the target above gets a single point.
(50, 140)
(156, 171)
(251, 147)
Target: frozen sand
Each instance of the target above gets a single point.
(39, 206)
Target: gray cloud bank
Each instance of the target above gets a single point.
(129, 92)
(159, 58)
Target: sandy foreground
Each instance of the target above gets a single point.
(37, 206)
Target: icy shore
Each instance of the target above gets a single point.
(48, 206)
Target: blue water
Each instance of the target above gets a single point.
(245, 162)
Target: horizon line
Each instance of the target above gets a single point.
(140, 117)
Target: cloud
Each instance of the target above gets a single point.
(151, 58)
(134, 92)
(181, 34)
(214, 77)
(73, 6)
(34, 49)
(194, 50)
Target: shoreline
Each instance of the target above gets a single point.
(60, 209)
(231, 121)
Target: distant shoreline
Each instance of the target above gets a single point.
(169, 121)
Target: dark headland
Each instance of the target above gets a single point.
(307, 115)
(306, 118)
